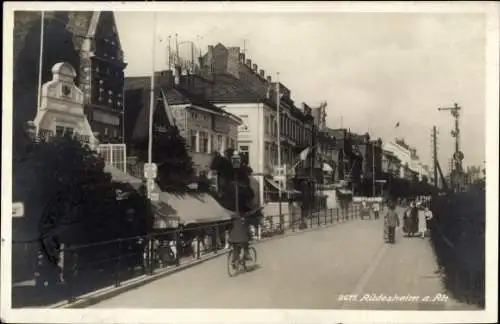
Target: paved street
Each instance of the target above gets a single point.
(308, 270)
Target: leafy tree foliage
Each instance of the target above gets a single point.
(227, 179)
(68, 195)
(175, 166)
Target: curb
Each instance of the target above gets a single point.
(95, 297)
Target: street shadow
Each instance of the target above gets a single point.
(253, 268)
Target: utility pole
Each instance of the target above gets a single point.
(152, 98)
(169, 53)
(373, 169)
(458, 155)
(434, 155)
(40, 64)
(278, 127)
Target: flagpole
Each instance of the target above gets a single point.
(278, 128)
(152, 94)
(40, 64)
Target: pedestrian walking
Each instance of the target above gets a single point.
(422, 223)
(391, 221)
(365, 210)
(376, 210)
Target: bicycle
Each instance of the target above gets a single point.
(241, 264)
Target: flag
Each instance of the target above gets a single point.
(397, 125)
(304, 154)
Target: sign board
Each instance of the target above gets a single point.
(154, 196)
(150, 170)
(367, 199)
(17, 209)
(381, 181)
(151, 185)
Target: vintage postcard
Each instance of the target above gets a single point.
(230, 162)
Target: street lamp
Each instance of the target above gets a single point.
(236, 163)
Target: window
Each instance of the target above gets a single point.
(204, 142)
(192, 140)
(244, 126)
(267, 153)
(61, 130)
(221, 140)
(215, 144)
(267, 125)
(245, 154)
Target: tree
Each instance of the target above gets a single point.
(227, 178)
(175, 166)
(68, 195)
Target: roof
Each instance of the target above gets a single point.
(120, 176)
(195, 208)
(137, 104)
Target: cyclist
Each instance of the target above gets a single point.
(239, 237)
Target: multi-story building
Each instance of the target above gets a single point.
(230, 81)
(89, 42)
(205, 127)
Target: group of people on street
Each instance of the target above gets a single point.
(415, 219)
(366, 210)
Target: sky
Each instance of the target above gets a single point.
(373, 69)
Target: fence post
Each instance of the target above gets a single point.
(118, 264)
(319, 223)
(331, 216)
(70, 283)
(198, 243)
(150, 253)
(178, 247)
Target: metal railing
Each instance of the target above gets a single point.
(83, 269)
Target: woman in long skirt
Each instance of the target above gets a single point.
(422, 221)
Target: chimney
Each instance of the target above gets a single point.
(255, 68)
(177, 75)
(262, 73)
(233, 61)
(164, 79)
(242, 58)
(269, 79)
(249, 63)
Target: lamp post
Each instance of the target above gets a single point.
(236, 162)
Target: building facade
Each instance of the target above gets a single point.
(232, 82)
(206, 128)
(61, 111)
(89, 42)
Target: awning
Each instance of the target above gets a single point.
(327, 167)
(278, 187)
(118, 175)
(344, 191)
(195, 208)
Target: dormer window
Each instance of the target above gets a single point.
(101, 82)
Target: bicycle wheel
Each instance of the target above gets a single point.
(253, 258)
(231, 269)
